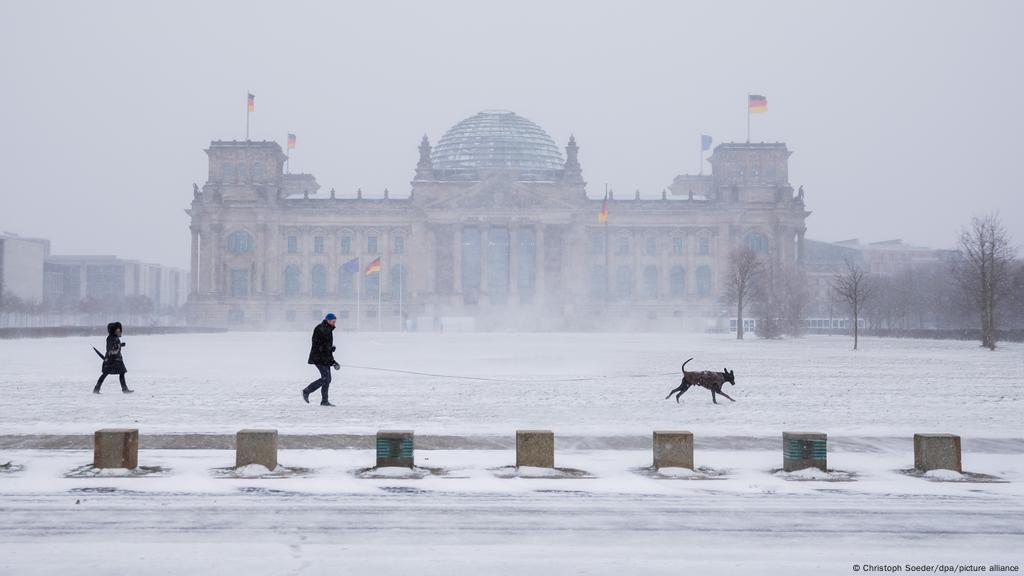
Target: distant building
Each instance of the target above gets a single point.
(21, 267)
(497, 231)
(72, 279)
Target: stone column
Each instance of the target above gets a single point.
(485, 251)
(540, 288)
(800, 245)
(513, 264)
(194, 279)
(457, 262)
(216, 237)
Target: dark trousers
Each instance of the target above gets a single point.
(323, 383)
(104, 377)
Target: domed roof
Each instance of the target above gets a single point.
(496, 139)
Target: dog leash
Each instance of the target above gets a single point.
(504, 380)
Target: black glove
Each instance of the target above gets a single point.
(336, 366)
(333, 348)
(123, 344)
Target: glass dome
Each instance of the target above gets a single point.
(496, 139)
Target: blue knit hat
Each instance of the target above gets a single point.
(330, 316)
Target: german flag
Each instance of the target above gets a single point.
(757, 103)
(602, 216)
(252, 103)
(374, 267)
(291, 141)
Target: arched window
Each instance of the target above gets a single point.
(240, 242)
(257, 170)
(399, 279)
(292, 283)
(622, 246)
(757, 242)
(318, 282)
(347, 282)
(243, 172)
(650, 286)
(677, 282)
(703, 281)
(651, 246)
(228, 171)
(598, 281)
(624, 282)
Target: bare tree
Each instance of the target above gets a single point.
(745, 268)
(984, 269)
(854, 287)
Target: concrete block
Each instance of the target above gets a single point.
(116, 448)
(256, 447)
(535, 448)
(937, 452)
(673, 449)
(395, 448)
(804, 450)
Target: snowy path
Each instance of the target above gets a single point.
(219, 383)
(470, 521)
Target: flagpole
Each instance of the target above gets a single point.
(247, 115)
(379, 282)
(607, 264)
(401, 288)
(359, 299)
(748, 118)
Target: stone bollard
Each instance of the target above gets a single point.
(256, 447)
(395, 448)
(116, 448)
(937, 452)
(535, 448)
(673, 449)
(804, 450)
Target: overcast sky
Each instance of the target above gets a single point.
(904, 117)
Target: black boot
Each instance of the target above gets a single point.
(326, 403)
(127, 391)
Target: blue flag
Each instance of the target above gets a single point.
(352, 266)
(705, 142)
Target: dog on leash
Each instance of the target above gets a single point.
(713, 381)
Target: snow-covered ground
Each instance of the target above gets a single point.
(465, 513)
(589, 384)
(465, 518)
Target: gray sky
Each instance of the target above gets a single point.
(905, 117)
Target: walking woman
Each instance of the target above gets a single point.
(113, 362)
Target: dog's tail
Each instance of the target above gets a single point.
(683, 368)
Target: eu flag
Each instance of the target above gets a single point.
(352, 266)
(705, 142)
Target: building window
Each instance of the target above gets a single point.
(497, 265)
(650, 286)
(622, 248)
(597, 244)
(292, 283)
(624, 282)
(257, 170)
(346, 244)
(677, 246)
(240, 283)
(399, 279)
(677, 282)
(228, 172)
(372, 284)
(371, 244)
(526, 274)
(346, 282)
(399, 245)
(293, 244)
(319, 281)
(598, 282)
(243, 172)
(704, 246)
(704, 281)
(651, 246)
(318, 245)
(757, 242)
(240, 242)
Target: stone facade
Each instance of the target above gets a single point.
(492, 235)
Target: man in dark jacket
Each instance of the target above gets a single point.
(113, 362)
(321, 355)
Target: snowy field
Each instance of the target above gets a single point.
(466, 512)
(575, 384)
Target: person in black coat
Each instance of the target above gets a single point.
(113, 362)
(321, 355)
